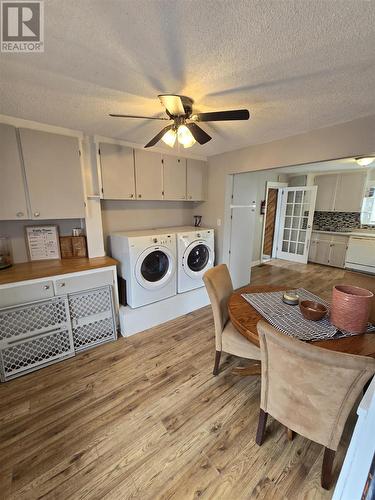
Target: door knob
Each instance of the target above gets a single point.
(36, 214)
(46, 287)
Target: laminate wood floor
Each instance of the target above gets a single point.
(144, 418)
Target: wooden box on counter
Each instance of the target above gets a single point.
(73, 246)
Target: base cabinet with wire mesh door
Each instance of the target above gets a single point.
(43, 322)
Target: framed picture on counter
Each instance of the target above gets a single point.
(43, 242)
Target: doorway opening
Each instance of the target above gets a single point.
(270, 222)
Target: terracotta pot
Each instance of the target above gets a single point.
(350, 309)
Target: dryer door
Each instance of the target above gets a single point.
(155, 267)
(198, 257)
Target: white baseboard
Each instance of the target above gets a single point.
(137, 320)
(255, 263)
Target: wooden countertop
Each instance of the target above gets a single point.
(46, 268)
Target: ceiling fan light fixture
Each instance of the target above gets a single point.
(169, 137)
(365, 161)
(185, 137)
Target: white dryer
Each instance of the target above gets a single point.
(195, 254)
(147, 263)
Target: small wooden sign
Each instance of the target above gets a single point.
(73, 247)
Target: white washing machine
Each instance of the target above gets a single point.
(195, 254)
(147, 263)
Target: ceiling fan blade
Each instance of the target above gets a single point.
(143, 117)
(217, 116)
(158, 136)
(173, 104)
(198, 133)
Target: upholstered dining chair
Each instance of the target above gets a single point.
(219, 288)
(309, 389)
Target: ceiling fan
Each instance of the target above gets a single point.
(184, 128)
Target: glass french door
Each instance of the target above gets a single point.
(295, 223)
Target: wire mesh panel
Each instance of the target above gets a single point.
(35, 317)
(23, 356)
(92, 316)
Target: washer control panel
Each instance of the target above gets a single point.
(162, 239)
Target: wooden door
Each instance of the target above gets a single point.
(269, 230)
(117, 172)
(350, 192)
(325, 195)
(174, 175)
(148, 175)
(53, 173)
(13, 203)
(195, 179)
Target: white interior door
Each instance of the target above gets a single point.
(295, 223)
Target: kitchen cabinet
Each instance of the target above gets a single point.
(13, 202)
(53, 173)
(329, 250)
(47, 320)
(117, 172)
(148, 175)
(350, 192)
(340, 192)
(195, 180)
(174, 176)
(325, 196)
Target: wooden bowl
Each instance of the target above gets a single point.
(312, 310)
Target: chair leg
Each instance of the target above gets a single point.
(261, 427)
(217, 363)
(290, 434)
(328, 458)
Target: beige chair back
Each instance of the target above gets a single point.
(219, 288)
(309, 389)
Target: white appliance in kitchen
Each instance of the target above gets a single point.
(360, 255)
(195, 254)
(147, 263)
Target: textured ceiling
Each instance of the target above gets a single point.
(296, 65)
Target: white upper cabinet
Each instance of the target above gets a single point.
(53, 173)
(350, 191)
(325, 196)
(148, 175)
(13, 204)
(117, 172)
(340, 192)
(174, 173)
(195, 180)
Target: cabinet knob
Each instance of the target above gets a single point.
(36, 214)
(61, 285)
(131, 195)
(139, 196)
(182, 197)
(19, 214)
(46, 287)
(190, 197)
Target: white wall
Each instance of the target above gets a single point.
(350, 139)
(121, 215)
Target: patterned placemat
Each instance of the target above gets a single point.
(289, 319)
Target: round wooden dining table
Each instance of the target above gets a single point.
(245, 318)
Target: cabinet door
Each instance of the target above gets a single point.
(312, 250)
(148, 175)
(53, 173)
(350, 190)
(322, 252)
(337, 254)
(13, 204)
(117, 169)
(325, 195)
(174, 173)
(195, 180)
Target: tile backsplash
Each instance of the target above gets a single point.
(336, 221)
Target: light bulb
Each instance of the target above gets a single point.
(185, 137)
(365, 161)
(169, 137)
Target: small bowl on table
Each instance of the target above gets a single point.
(314, 311)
